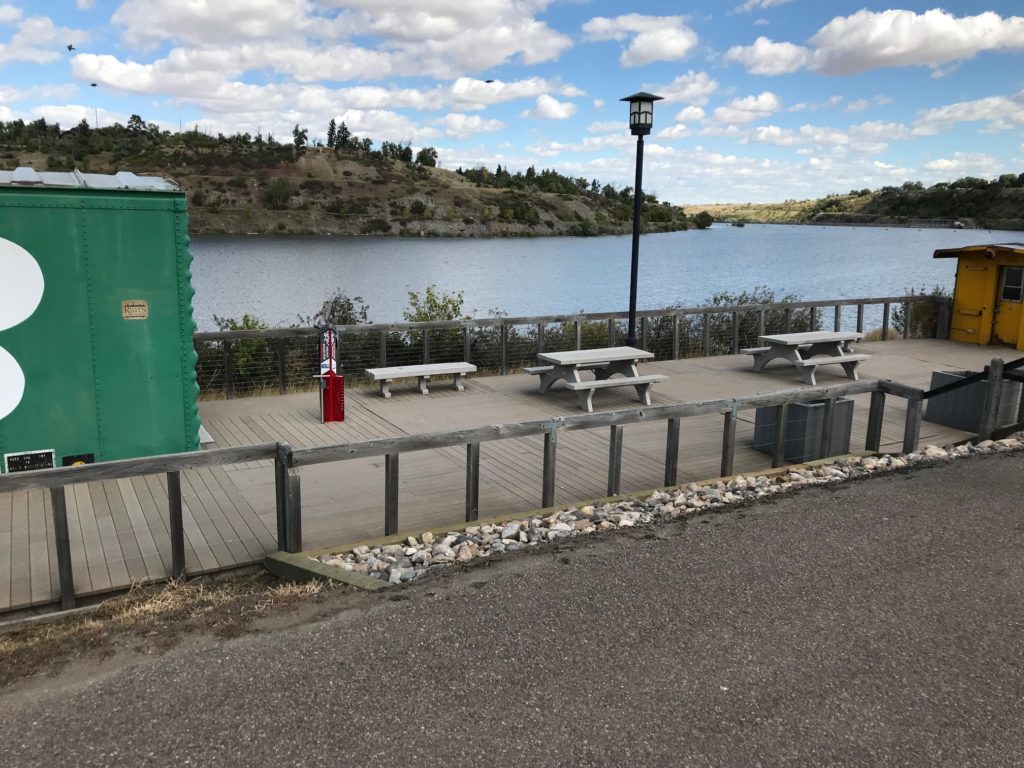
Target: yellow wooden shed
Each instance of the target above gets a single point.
(989, 294)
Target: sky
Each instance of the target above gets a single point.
(764, 100)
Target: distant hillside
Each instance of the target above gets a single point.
(971, 202)
(256, 185)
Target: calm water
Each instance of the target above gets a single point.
(279, 278)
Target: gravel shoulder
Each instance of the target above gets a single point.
(871, 622)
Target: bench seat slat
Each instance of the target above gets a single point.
(624, 381)
(426, 369)
(816, 361)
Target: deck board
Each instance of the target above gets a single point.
(119, 529)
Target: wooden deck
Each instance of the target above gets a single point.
(119, 530)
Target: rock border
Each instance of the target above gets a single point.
(416, 556)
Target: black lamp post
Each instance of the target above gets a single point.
(641, 118)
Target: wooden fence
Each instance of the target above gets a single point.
(289, 461)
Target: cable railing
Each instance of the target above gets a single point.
(281, 360)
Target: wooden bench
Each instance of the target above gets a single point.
(585, 389)
(849, 363)
(422, 372)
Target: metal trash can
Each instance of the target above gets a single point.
(961, 408)
(804, 424)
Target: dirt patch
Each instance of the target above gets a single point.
(150, 619)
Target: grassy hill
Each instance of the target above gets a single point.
(255, 185)
(973, 202)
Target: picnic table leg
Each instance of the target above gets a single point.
(851, 369)
(423, 381)
(385, 388)
(808, 373)
(586, 399)
(643, 391)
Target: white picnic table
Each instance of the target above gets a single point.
(605, 363)
(808, 350)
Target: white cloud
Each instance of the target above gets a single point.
(752, 5)
(1001, 113)
(84, 5)
(748, 109)
(814, 106)
(766, 57)
(967, 163)
(869, 40)
(550, 108)
(598, 103)
(653, 38)
(9, 93)
(773, 134)
(691, 88)
(34, 39)
(690, 114)
(858, 106)
(607, 126)
(460, 126)
(8, 14)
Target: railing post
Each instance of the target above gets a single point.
(837, 321)
(990, 407)
(472, 481)
(826, 427)
(728, 441)
(614, 459)
(735, 347)
(176, 525)
(860, 318)
(672, 452)
(760, 322)
(912, 427)
(62, 541)
(289, 500)
(229, 370)
(579, 333)
(282, 368)
(504, 347)
(391, 494)
(781, 422)
(611, 332)
(426, 345)
(675, 337)
(787, 319)
(906, 319)
(467, 347)
(550, 450)
(876, 416)
(706, 341)
(885, 321)
(814, 319)
(943, 310)
(643, 333)
(383, 349)
(540, 338)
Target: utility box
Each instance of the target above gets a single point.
(961, 408)
(96, 354)
(804, 423)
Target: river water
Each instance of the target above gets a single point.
(277, 279)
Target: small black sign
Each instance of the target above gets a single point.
(28, 460)
(78, 460)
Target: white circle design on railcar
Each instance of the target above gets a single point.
(12, 383)
(21, 290)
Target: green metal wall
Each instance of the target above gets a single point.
(94, 381)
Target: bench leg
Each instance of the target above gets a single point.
(851, 369)
(457, 383)
(643, 391)
(423, 381)
(586, 399)
(385, 388)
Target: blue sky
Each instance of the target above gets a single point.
(764, 99)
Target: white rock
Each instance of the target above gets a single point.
(427, 537)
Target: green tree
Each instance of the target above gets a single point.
(703, 220)
(277, 194)
(434, 305)
(427, 156)
(299, 139)
(332, 133)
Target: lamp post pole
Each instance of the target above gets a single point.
(641, 118)
(638, 201)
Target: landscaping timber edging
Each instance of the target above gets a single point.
(303, 566)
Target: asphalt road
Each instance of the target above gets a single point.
(878, 623)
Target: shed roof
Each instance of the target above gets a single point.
(123, 180)
(952, 253)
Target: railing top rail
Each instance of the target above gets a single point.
(407, 443)
(490, 322)
(146, 465)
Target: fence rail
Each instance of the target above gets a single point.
(238, 363)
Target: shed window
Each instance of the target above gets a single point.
(1013, 283)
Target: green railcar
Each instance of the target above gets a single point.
(96, 354)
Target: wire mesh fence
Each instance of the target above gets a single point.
(247, 363)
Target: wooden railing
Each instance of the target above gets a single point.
(489, 342)
(288, 461)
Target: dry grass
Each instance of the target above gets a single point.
(147, 619)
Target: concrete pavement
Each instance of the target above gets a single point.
(878, 622)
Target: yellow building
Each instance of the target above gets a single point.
(989, 294)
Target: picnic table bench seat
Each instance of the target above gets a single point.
(849, 363)
(422, 372)
(585, 389)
